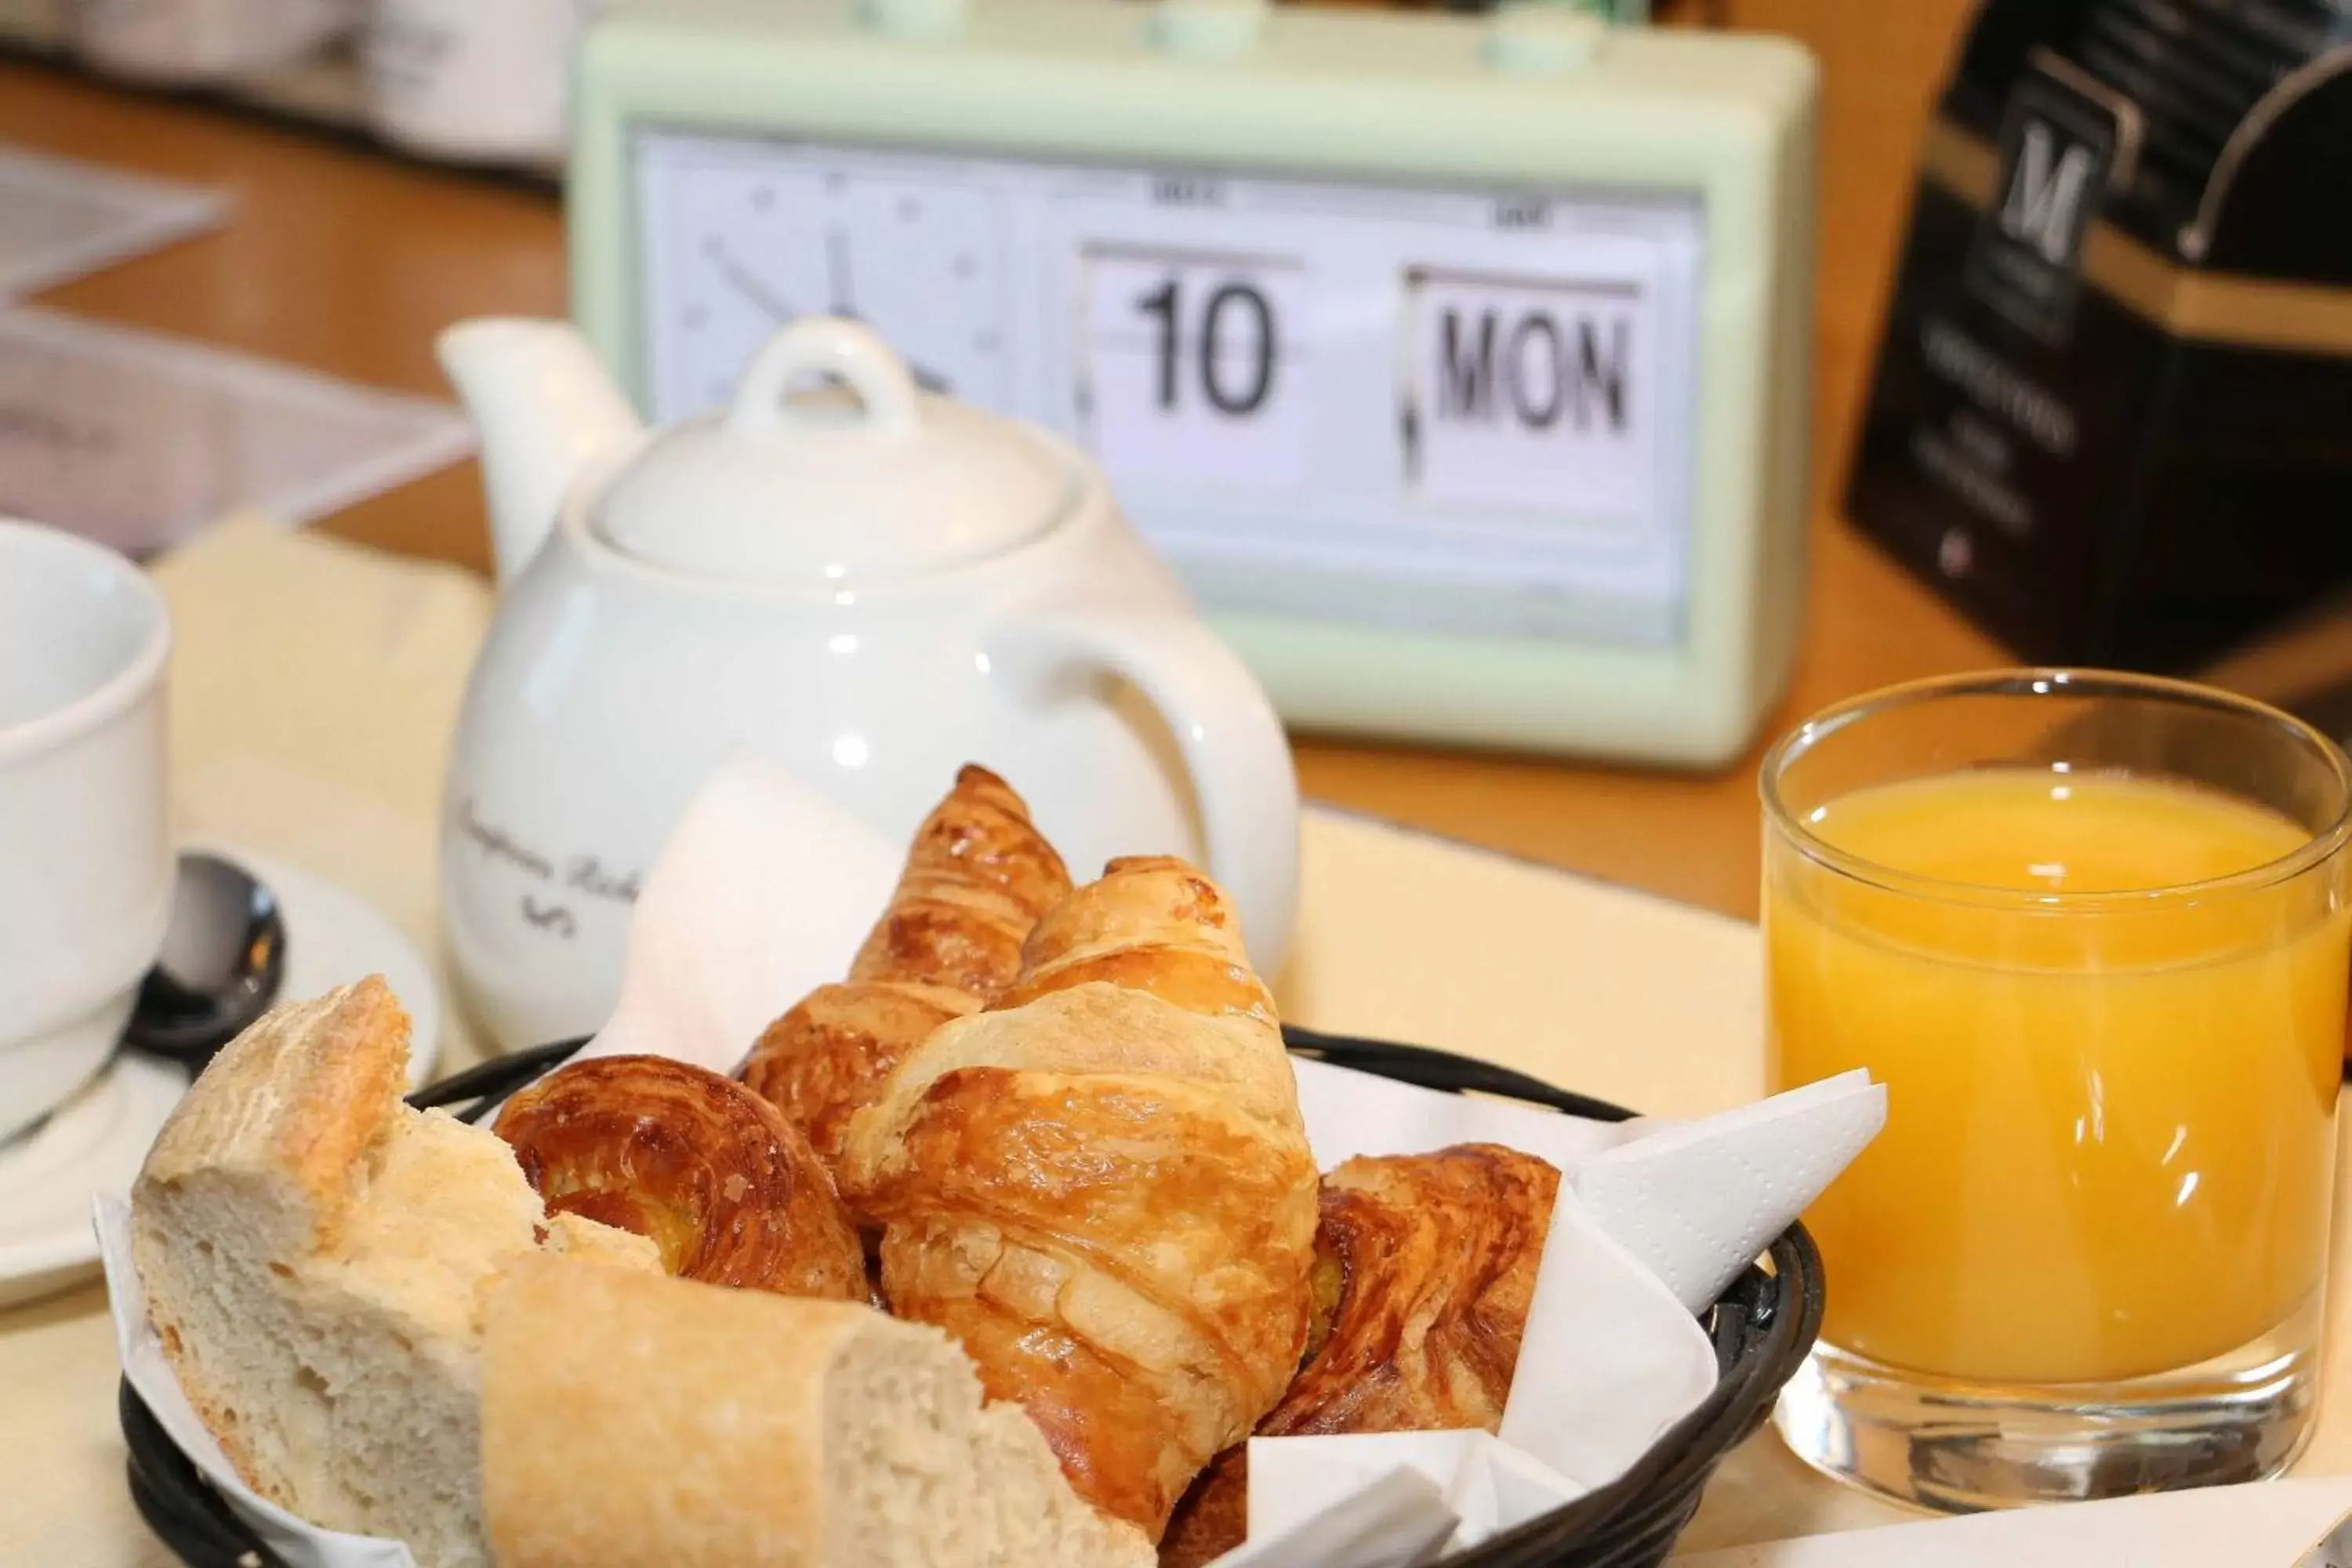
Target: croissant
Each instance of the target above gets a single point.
(1102, 1187)
(977, 877)
(1424, 1266)
(727, 1189)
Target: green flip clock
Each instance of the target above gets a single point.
(1459, 363)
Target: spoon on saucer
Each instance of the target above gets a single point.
(223, 961)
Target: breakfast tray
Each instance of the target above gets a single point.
(1761, 1327)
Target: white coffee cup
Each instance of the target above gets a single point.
(86, 861)
(472, 80)
(175, 41)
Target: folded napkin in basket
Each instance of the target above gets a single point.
(764, 891)
(762, 894)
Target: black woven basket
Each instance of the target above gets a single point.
(1762, 1327)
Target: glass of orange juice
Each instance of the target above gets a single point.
(2092, 931)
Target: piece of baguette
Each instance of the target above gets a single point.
(316, 1256)
(635, 1421)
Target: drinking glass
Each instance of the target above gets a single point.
(2091, 931)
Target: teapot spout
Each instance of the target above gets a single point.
(545, 408)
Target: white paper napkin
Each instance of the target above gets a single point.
(765, 890)
(1396, 1497)
(1394, 1517)
(1694, 1202)
(762, 894)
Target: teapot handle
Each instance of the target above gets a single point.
(1226, 732)
(848, 352)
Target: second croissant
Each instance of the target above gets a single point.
(1103, 1189)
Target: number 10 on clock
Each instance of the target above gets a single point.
(1195, 369)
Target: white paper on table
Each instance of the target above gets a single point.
(299, 1542)
(2305, 1524)
(139, 440)
(60, 217)
(765, 889)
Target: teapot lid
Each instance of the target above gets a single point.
(867, 477)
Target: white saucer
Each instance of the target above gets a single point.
(94, 1143)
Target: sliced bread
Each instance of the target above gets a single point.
(638, 1421)
(316, 1257)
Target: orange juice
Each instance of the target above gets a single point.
(2109, 1126)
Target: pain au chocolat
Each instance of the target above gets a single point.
(1424, 1268)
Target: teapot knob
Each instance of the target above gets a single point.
(830, 346)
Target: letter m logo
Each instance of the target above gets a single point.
(2057, 149)
(2049, 180)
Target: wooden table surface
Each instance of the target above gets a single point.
(350, 263)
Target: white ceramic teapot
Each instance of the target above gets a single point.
(866, 583)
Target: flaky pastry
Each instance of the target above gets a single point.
(1103, 1189)
(978, 876)
(727, 1187)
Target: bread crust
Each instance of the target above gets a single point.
(639, 1422)
(298, 1098)
(602, 1398)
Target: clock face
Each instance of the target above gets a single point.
(1458, 410)
(741, 244)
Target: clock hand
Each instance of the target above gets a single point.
(746, 282)
(838, 282)
(841, 285)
